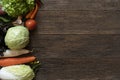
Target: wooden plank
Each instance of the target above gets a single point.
(78, 22)
(75, 46)
(80, 69)
(77, 57)
(81, 5)
(78, 40)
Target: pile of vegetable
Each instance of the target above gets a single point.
(17, 19)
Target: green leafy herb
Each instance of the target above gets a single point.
(35, 65)
(4, 19)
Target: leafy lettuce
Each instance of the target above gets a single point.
(16, 8)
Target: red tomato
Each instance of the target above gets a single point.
(30, 24)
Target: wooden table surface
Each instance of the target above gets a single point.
(78, 40)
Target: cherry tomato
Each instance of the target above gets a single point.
(30, 24)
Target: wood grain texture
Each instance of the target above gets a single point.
(81, 5)
(76, 57)
(78, 40)
(76, 46)
(79, 22)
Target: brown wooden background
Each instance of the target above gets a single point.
(78, 40)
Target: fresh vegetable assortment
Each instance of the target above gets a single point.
(17, 19)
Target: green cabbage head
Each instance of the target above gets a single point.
(17, 72)
(17, 37)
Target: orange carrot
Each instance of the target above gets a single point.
(39, 2)
(35, 11)
(15, 61)
(29, 14)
